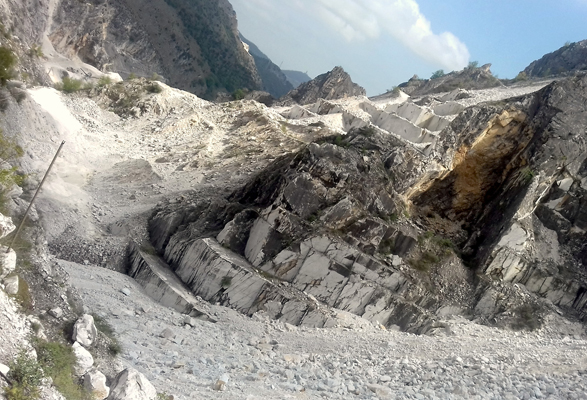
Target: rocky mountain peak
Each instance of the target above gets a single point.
(333, 85)
(569, 58)
(469, 78)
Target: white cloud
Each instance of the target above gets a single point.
(402, 19)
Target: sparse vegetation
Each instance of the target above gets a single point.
(7, 62)
(25, 376)
(521, 77)
(526, 175)
(23, 296)
(431, 251)
(9, 151)
(114, 347)
(58, 361)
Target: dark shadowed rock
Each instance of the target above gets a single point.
(569, 58)
(469, 78)
(336, 84)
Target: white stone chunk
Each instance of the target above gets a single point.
(85, 361)
(84, 331)
(130, 384)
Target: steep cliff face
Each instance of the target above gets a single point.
(195, 46)
(569, 58)
(274, 80)
(514, 190)
(336, 84)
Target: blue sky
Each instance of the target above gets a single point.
(382, 43)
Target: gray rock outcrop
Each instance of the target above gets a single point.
(570, 58)
(130, 384)
(336, 84)
(468, 78)
(370, 225)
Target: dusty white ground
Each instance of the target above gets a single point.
(268, 360)
(101, 193)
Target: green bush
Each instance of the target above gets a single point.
(36, 51)
(226, 281)
(238, 94)
(154, 88)
(69, 85)
(104, 81)
(437, 74)
(7, 63)
(473, 65)
(25, 376)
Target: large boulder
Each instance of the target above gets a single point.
(95, 383)
(130, 384)
(6, 226)
(85, 361)
(84, 331)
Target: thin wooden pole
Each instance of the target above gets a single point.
(35, 196)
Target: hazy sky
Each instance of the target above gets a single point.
(382, 43)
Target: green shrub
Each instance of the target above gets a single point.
(69, 85)
(154, 88)
(437, 74)
(238, 94)
(226, 281)
(25, 376)
(7, 63)
(473, 65)
(104, 81)
(36, 51)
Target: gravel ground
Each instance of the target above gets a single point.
(265, 359)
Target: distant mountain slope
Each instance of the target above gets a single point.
(336, 84)
(296, 78)
(193, 44)
(569, 58)
(274, 80)
(469, 78)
